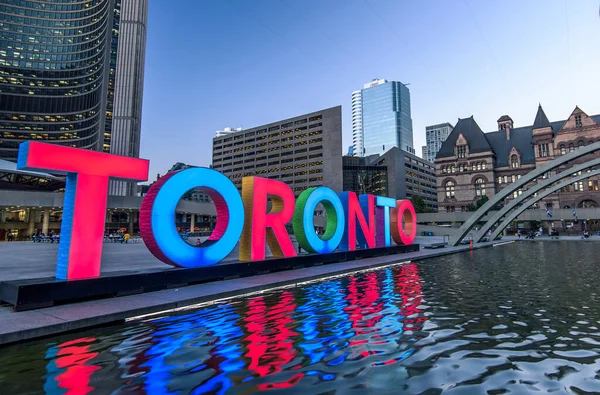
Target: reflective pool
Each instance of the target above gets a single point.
(517, 318)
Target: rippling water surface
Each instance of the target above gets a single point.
(519, 318)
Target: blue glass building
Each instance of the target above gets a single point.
(386, 119)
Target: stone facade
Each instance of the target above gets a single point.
(472, 164)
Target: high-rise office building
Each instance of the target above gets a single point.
(71, 73)
(435, 136)
(304, 151)
(386, 120)
(357, 132)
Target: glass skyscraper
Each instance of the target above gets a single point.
(68, 73)
(386, 119)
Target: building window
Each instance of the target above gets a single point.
(449, 189)
(444, 169)
(514, 161)
(543, 150)
(480, 187)
(461, 151)
(478, 165)
(578, 186)
(483, 165)
(506, 179)
(453, 169)
(461, 168)
(578, 123)
(571, 147)
(474, 166)
(563, 149)
(512, 178)
(500, 180)
(580, 144)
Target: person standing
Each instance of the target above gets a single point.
(9, 235)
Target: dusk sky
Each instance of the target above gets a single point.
(214, 64)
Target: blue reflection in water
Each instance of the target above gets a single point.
(160, 360)
(324, 325)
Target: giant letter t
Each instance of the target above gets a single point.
(84, 210)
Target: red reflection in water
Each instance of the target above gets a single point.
(76, 377)
(409, 288)
(270, 339)
(363, 308)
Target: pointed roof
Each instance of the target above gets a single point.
(504, 118)
(471, 131)
(541, 120)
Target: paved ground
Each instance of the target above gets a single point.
(28, 260)
(25, 259)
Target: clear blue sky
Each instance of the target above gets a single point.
(213, 64)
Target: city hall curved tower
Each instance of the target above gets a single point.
(53, 66)
(71, 73)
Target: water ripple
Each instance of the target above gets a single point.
(510, 319)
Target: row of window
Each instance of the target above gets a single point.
(450, 186)
(507, 179)
(571, 147)
(274, 142)
(462, 167)
(98, 24)
(241, 136)
(49, 8)
(592, 185)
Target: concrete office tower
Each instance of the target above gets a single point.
(435, 136)
(304, 151)
(386, 118)
(357, 132)
(129, 85)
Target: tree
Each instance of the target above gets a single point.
(419, 204)
(477, 205)
(481, 201)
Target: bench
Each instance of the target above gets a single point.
(435, 245)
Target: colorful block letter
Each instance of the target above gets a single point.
(262, 226)
(382, 216)
(84, 210)
(404, 233)
(358, 213)
(157, 218)
(303, 222)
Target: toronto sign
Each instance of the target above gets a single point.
(255, 218)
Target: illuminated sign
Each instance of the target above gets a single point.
(255, 219)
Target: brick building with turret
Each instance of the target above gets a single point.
(472, 164)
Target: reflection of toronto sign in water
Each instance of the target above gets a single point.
(367, 221)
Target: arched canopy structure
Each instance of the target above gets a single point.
(519, 184)
(531, 191)
(514, 214)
